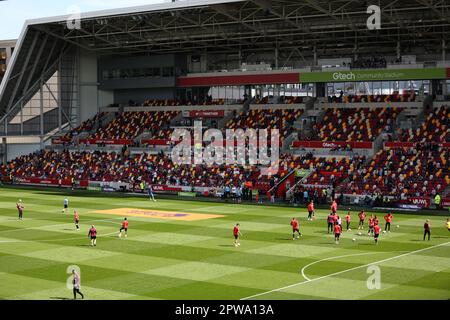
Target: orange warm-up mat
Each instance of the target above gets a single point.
(149, 213)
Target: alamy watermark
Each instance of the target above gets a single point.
(374, 20)
(374, 280)
(239, 147)
(73, 21)
(69, 270)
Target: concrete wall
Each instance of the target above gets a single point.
(89, 100)
(105, 98)
(140, 95)
(17, 150)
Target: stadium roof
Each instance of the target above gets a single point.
(334, 28)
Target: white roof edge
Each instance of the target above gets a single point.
(13, 59)
(132, 10)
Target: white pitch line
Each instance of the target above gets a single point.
(343, 271)
(332, 258)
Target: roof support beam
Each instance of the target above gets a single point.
(24, 66)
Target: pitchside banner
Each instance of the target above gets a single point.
(204, 114)
(412, 144)
(375, 75)
(331, 145)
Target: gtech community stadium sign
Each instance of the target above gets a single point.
(375, 75)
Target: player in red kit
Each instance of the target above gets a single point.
(376, 232)
(347, 220)
(330, 221)
(77, 220)
(124, 228)
(295, 228)
(337, 233)
(371, 224)
(311, 210)
(362, 218)
(93, 235)
(334, 206)
(388, 218)
(236, 234)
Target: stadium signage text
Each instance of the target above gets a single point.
(374, 75)
(350, 76)
(332, 145)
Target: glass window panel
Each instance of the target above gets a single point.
(376, 87)
(385, 88)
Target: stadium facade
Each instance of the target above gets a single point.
(226, 57)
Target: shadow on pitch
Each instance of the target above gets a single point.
(60, 298)
(226, 245)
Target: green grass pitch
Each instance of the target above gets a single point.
(168, 259)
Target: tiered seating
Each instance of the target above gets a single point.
(435, 128)
(361, 124)
(86, 126)
(411, 172)
(281, 119)
(326, 171)
(171, 102)
(102, 166)
(131, 124)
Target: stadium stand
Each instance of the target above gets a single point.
(400, 172)
(434, 128)
(361, 124)
(129, 125)
(281, 119)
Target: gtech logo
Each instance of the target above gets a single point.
(344, 76)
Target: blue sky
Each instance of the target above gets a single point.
(13, 13)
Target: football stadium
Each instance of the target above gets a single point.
(228, 150)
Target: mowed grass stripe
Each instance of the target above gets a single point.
(170, 259)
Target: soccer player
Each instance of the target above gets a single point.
(427, 230)
(362, 218)
(376, 232)
(375, 220)
(448, 224)
(371, 224)
(388, 218)
(311, 210)
(338, 220)
(347, 219)
(77, 220)
(66, 205)
(93, 235)
(334, 206)
(124, 228)
(150, 193)
(295, 228)
(20, 207)
(236, 234)
(330, 221)
(337, 232)
(76, 285)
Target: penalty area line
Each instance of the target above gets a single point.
(344, 271)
